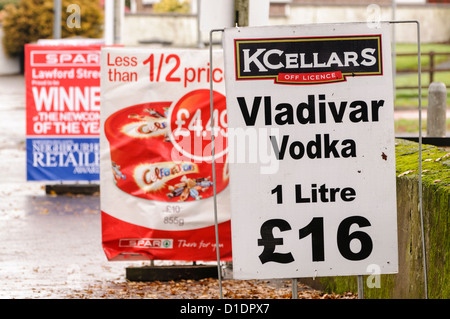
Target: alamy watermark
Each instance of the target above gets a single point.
(237, 145)
(74, 19)
(374, 279)
(373, 17)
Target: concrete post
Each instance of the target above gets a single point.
(108, 32)
(242, 9)
(437, 110)
(56, 19)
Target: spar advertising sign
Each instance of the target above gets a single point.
(63, 112)
(156, 169)
(311, 150)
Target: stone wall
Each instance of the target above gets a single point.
(433, 19)
(181, 30)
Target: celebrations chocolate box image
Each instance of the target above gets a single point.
(156, 155)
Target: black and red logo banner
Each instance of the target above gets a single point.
(309, 60)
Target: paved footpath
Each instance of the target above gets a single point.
(49, 245)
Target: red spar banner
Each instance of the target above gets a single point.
(63, 90)
(157, 180)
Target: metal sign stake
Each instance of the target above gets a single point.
(294, 288)
(219, 272)
(419, 72)
(360, 287)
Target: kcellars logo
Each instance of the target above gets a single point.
(308, 60)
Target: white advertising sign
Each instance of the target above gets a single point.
(156, 178)
(312, 150)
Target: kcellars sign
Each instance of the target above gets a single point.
(314, 193)
(309, 60)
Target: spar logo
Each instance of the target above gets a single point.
(63, 58)
(146, 243)
(309, 60)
